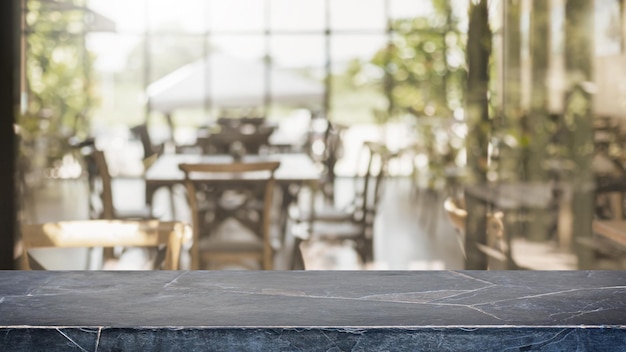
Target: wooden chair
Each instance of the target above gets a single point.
(608, 241)
(324, 145)
(496, 248)
(353, 223)
(240, 191)
(107, 234)
(101, 204)
(228, 140)
(150, 151)
(333, 147)
(236, 122)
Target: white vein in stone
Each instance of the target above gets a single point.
(471, 277)
(556, 293)
(70, 339)
(580, 313)
(98, 339)
(539, 344)
(388, 297)
(175, 280)
(480, 310)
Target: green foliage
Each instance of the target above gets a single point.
(425, 64)
(59, 92)
(57, 70)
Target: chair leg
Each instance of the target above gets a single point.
(297, 260)
(365, 250)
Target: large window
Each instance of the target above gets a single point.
(276, 56)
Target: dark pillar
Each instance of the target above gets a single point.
(477, 116)
(9, 101)
(578, 108)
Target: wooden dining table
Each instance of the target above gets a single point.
(296, 170)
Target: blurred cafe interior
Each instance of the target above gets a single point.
(320, 135)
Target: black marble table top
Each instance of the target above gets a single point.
(492, 305)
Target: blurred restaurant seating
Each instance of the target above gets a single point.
(245, 195)
(101, 203)
(150, 150)
(608, 243)
(241, 138)
(347, 103)
(495, 246)
(166, 237)
(353, 223)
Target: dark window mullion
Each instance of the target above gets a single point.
(206, 55)
(267, 94)
(327, 81)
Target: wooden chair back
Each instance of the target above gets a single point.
(369, 179)
(239, 175)
(107, 234)
(149, 149)
(379, 159)
(225, 140)
(100, 188)
(373, 185)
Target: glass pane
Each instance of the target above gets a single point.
(236, 82)
(178, 16)
(118, 78)
(128, 16)
(169, 53)
(176, 64)
(409, 8)
(297, 15)
(238, 71)
(356, 91)
(297, 84)
(356, 78)
(296, 93)
(249, 47)
(608, 27)
(297, 51)
(230, 16)
(357, 14)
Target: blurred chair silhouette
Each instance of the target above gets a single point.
(150, 151)
(333, 148)
(325, 146)
(167, 236)
(101, 205)
(238, 122)
(496, 246)
(354, 222)
(243, 139)
(608, 241)
(234, 191)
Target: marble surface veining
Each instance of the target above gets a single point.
(325, 311)
(312, 299)
(329, 339)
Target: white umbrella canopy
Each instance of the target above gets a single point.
(230, 82)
